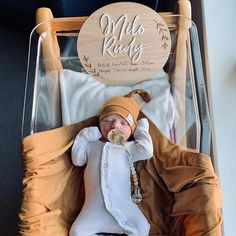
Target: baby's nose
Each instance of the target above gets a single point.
(116, 125)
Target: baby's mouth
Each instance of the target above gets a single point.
(116, 136)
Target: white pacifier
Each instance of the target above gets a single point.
(116, 136)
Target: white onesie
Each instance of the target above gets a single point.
(108, 205)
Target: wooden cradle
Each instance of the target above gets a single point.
(53, 187)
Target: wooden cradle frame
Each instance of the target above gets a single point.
(49, 28)
(187, 59)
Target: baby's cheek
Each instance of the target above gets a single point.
(127, 132)
(104, 132)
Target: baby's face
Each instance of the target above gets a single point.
(114, 122)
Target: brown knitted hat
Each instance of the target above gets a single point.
(125, 106)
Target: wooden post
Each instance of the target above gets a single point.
(51, 50)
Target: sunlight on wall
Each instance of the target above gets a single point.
(220, 34)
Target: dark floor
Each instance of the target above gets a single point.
(13, 57)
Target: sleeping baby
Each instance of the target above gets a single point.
(109, 153)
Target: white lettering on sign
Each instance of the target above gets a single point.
(110, 46)
(114, 32)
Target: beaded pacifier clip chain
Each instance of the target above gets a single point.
(116, 136)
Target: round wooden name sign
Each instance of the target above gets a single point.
(124, 43)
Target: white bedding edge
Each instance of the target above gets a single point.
(82, 97)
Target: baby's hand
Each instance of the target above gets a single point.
(143, 122)
(90, 134)
(142, 126)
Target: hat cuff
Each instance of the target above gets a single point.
(125, 114)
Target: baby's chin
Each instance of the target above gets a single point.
(104, 139)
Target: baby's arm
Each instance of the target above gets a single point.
(80, 147)
(143, 148)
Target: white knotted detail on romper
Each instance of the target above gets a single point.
(108, 205)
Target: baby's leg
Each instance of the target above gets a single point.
(93, 225)
(142, 227)
(78, 229)
(108, 234)
(74, 231)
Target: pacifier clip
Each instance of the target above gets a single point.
(116, 136)
(136, 196)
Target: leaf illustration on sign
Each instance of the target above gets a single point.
(163, 31)
(91, 70)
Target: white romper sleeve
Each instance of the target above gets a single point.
(143, 147)
(80, 147)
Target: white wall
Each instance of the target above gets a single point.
(220, 42)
